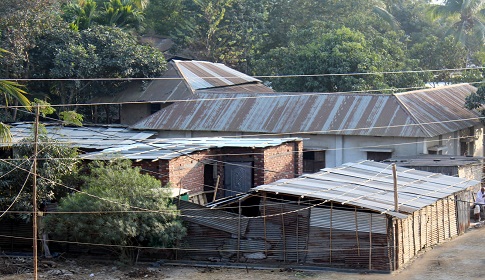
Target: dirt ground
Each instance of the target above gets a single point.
(459, 258)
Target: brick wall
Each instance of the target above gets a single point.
(269, 164)
(282, 162)
(188, 172)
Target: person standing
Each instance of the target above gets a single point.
(42, 229)
(480, 202)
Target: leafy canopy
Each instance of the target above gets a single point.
(118, 195)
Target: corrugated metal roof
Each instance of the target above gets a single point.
(169, 148)
(204, 75)
(87, 137)
(170, 87)
(440, 110)
(370, 185)
(436, 160)
(324, 113)
(182, 79)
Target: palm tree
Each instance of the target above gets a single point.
(468, 17)
(11, 90)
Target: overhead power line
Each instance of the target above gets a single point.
(255, 76)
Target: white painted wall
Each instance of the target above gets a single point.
(340, 149)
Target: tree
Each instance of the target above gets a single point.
(475, 101)
(56, 162)
(9, 90)
(330, 59)
(164, 16)
(100, 52)
(133, 210)
(83, 14)
(467, 21)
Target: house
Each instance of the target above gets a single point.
(458, 166)
(181, 81)
(211, 168)
(337, 127)
(342, 217)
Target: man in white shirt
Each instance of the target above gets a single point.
(479, 201)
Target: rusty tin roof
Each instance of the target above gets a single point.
(182, 79)
(421, 113)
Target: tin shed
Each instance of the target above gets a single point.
(345, 216)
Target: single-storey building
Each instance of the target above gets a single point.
(182, 79)
(459, 166)
(337, 127)
(211, 168)
(349, 216)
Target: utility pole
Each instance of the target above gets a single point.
(34, 188)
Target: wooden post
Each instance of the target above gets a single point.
(284, 232)
(239, 231)
(297, 234)
(357, 231)
(34, 189)
(264, 224)
(331, 222)
(216, 187)
(394, 176)
(370, 242)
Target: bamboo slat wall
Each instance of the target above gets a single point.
(425, 228)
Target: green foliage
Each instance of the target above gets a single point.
(84, 14)
(71, 118)
(164, 16)
(466, 21)
(127, 209)
(100, 52)
(56, 162)
(11, 90)
(44, 107)
(343, 52)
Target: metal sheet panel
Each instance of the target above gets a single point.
(87, 137)
(169, 148)
(212, 218)
(319, 113)
(440, 110)
(420, 190)
(203, 74)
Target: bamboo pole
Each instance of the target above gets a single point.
(284, 232)
(357, 231)
(331, 222)
(370, 242)
(394, 177)
(298, 234)
(239, 231)
(264, 224)
(216, 187)
(34, 190)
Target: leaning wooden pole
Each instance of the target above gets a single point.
(394, 176)
(34, 190)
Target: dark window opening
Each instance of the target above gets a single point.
(379, 156)
(155, 107)
(313, 161)
(209, 182)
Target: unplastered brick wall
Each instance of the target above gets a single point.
(269, 164)
(282, 162)
(151, 168)
(187, 172)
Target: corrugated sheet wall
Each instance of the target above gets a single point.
(291, 244)
(348, 238)
(427, 227)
